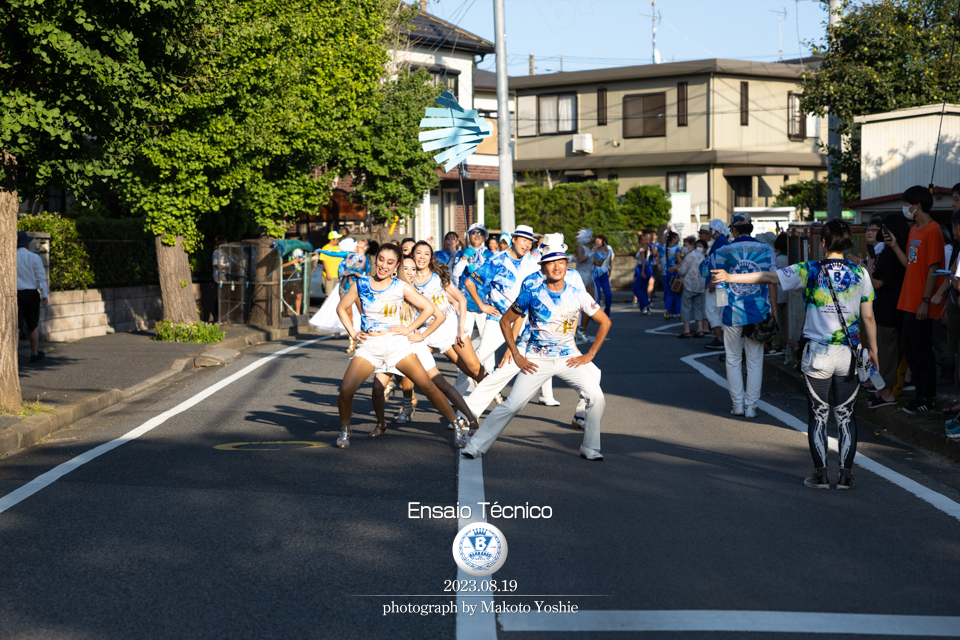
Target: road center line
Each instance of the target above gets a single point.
(737, 621)
(470, 493)
(660, 331)
(48, 478)
(938, 500)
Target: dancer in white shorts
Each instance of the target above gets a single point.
(421, 349)
(382, 339)
(553, 307)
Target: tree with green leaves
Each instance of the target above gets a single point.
(278, 95)
(882, 56)
(390, 169)
(79, 84)
(645, 206)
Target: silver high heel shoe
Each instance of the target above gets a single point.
(343, 442)
(460, 437)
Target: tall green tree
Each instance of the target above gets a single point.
(278, 93)
(80, 82)
(883, 55)
(390, 169)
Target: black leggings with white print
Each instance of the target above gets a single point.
(844, 409)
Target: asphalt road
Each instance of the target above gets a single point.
(168, 536)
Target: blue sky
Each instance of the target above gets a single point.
(593, 34)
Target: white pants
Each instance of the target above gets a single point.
(735, 345)
(527, 385)
(825, 360)
(491, 340)
(711, 311)
(480, 398)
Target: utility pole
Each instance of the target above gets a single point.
(834, 183)
(507, 219)
(531, 71)
(561, 64)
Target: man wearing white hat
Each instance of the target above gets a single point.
(486, 390)
(502, 274)
(553, 307)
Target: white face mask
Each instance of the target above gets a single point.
(906, 212)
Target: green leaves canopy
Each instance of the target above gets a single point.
(284, 87)
(886, 55)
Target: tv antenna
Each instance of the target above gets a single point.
(654, 19)
(781, 15)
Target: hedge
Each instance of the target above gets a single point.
(569, 207)
(96, 252)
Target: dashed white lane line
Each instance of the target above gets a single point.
(939, 501)
(832, 624)
(48, 478)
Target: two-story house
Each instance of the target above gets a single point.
(730, 133)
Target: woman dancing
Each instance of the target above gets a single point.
(382, 339)
(422, 351)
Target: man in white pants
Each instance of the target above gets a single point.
(480, 398)
(502, 274)
(748, 304)
(553, 308)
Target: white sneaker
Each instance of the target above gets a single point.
(590, 454)
(580, 336)
(751, 412)
(736, 411)
(470, 451)
(549, 402)
(578, 422)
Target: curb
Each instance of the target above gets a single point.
(29, 431)
(926, 431)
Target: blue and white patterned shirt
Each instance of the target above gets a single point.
(379, 310)
(504, 275)
(552, 318)
(444, 257)
(748, 303)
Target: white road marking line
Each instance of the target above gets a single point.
(938, 500)
(48, 478)
(659, 331)
(479, 626)
(736, 621)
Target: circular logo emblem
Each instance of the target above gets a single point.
(743, 290)
(841, 279)
(480, 549)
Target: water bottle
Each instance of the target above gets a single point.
(875, 377)
(721, 294)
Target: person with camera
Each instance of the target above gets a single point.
(838, 297)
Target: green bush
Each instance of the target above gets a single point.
(95, 252)
(169, 331)
(569, 207)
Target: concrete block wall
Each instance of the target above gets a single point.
(72, 315)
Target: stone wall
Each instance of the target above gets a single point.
(72, 315)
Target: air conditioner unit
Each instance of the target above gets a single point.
(583, 143)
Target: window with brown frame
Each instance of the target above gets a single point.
(796, 121)
(601, 107)
(681, 104)
(645, 116)
(558, 113)
(744, 104)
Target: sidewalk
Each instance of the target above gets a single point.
(78, 379)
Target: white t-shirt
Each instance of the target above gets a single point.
(553, 318)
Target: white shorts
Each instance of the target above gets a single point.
(419, 349)
(388, 349)
(446, 334)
